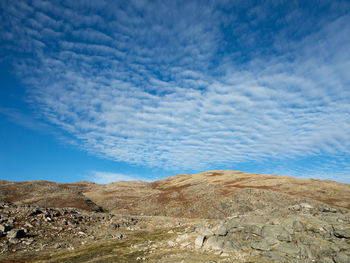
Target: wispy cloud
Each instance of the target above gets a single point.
(108, 177)
(186, 85)
(24, 120)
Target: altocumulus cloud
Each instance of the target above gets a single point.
(187, 84)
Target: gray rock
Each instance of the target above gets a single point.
(16, 233)
(303, 206)
(190, 229)
(298, 226)
(276, 231)
(288, 248)
(228, 247)
(306, 206)
(14, 241)
(341, 258)
(261, 246)
(204, 231)
(270, 241)
(253, 229)
(305, 252)
(328, 231)
(326, 260)
(326, 250)
(198, 243)
(341, 233)
(329, 210)
(214, 243)
(222, 231)
(276, 256)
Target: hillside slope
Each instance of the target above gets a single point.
(214, 194)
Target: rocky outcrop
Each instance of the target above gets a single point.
(300, 235)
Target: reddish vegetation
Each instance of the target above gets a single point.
(209, 194)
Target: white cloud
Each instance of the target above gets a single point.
(156, 91)
(108, 177)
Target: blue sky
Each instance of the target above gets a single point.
(122, 90)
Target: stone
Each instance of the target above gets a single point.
(341, 258)
(182, 238)
(288, 248)
(276, 256)
(294, 207)
(329, 210)
(253, 229)
(27, 224)
(5, 228)
(35, 212)
(190, 229)
(305, 252)
(228, 247)
(198, 243)
(204, 231)
(270, 241)
(306, 206)
(341, 233)
(261, 246)
(222, 231)
(16, 233)
(214, 243)
(276, 231)
(14, 241)
(171, 243)
(326, 260)
(298, 226)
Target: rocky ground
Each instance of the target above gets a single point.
(219, 216)
(299, 233)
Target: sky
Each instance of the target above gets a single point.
(141, 90)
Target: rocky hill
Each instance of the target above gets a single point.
(217, 216)
(215, 194)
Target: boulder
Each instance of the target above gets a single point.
(16, 233)
(214, 243)
(289, 248)
(222, 231)
(276, 231)
(341, 232)
(198, 243)
(204, 231)
(263, 246)
(329, 210)
(341, 258)
(298, 226)
(253, 229)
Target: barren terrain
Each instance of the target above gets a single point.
(216, 216)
